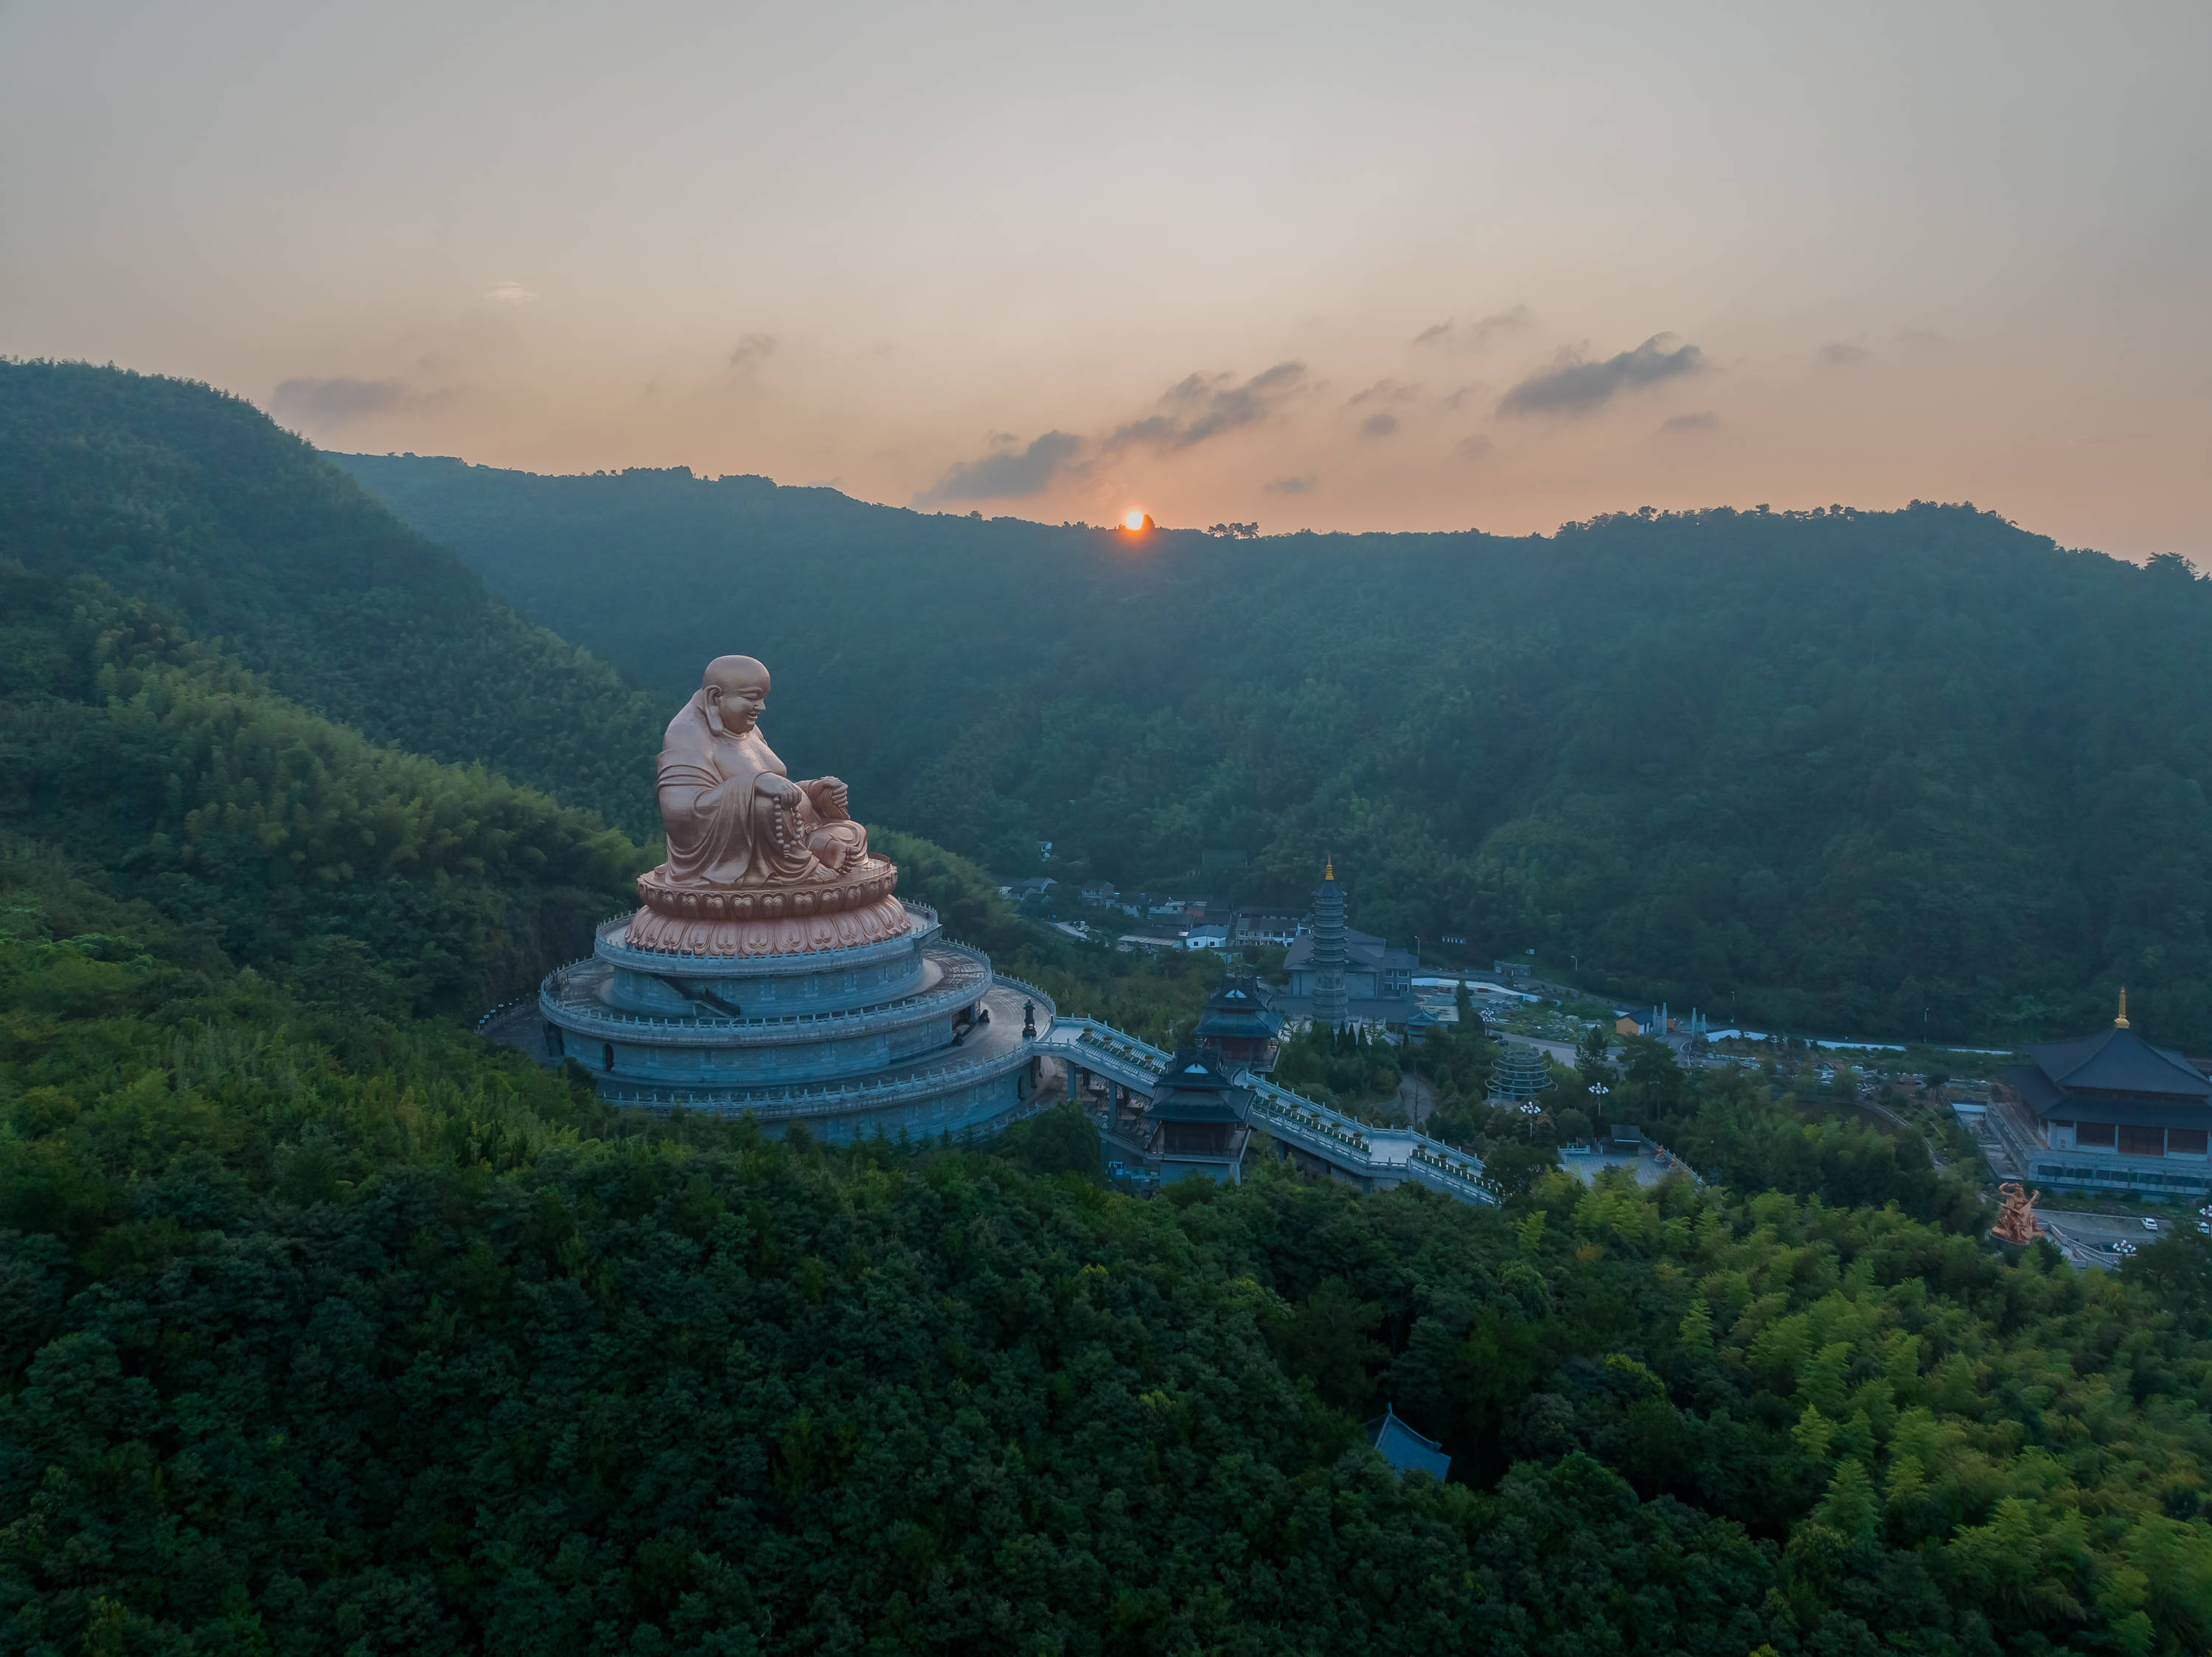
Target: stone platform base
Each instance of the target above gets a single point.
(748, 923)
(976, 1089)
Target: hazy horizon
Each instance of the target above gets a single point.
(1421, 268)
(1012, 511)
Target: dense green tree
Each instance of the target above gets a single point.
(374, 879)
(1351, 1068)
(416, 1347)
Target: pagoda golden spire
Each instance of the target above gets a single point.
(2121, 1023)
(1329, 872)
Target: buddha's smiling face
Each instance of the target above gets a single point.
(739, 705)
(736, 691)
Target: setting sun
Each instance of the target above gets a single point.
(1134, 518)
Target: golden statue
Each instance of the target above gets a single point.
(758, 864)
(2017, 1224)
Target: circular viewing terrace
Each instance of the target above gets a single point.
(907, 1035)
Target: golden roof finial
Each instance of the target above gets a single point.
(1329, 872)
(2121, 1023)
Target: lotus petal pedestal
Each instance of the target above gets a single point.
(748, 923)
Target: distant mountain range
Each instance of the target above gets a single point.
(1892, 773)
(1886, 773)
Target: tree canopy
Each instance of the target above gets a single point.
(327, 1328)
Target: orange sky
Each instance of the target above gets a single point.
(1408, 267)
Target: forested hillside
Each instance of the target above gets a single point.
(268, 836)
(322, 1329)
(178, 493)
(325, 1326)
(1906, 772)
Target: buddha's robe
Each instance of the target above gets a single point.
(723, 831)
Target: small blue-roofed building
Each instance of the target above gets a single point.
(1406, 1450)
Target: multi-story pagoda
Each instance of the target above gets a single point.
(1327, 934)
(1238, 1028)
(2111, 1112)
(1341, 976)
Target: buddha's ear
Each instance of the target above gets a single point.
(714, 706)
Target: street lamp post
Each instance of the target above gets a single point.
(1532, 1110)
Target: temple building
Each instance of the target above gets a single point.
(1338, 976)
(2111, 1112)
(772, 971)
(1237, 1029)
(1197, 1122)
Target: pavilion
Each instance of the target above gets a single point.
(1519, 1075)
(1237, 1028)
(1196, 1124)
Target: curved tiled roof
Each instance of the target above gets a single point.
(1192, 1089)
(1406, 1450)
(2119, 1061)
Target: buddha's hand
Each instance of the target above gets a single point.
(831, 798)
(781, 790)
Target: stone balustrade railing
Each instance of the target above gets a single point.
(1111, 1042)
(1430, 1160)
(800, 1099)
(1030, 991)
(797, 1025)
(1328, 1132)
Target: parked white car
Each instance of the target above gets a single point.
(2149, 1224)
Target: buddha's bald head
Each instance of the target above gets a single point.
(733, 689)
(727, 673)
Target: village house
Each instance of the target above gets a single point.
(1250, 926)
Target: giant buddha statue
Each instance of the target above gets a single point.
(758, 864)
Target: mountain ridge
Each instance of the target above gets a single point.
(1833, 769)
(197, 501)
